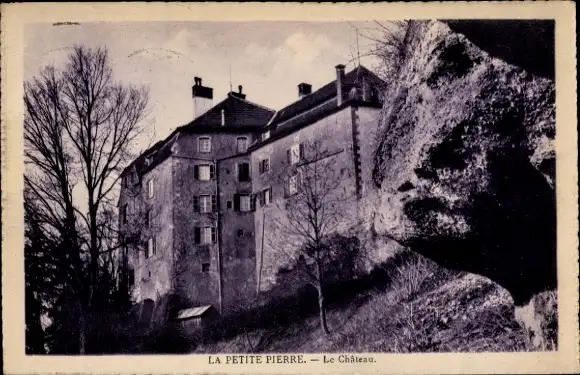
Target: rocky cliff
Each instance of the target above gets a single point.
(465, 162)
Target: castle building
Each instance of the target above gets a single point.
(198, 203)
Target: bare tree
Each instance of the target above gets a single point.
(316, 206)
(389, 43)
(78, 129)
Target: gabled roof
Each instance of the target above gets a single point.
(321, 103)
(238, 113)
(321, 95)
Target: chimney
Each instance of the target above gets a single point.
(339, 81)
(202, 98)
(304, 89)
(238, 94)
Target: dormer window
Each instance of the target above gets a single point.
(266, 135)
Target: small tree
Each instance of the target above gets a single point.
(316, 204)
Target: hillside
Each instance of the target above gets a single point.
(423, 308)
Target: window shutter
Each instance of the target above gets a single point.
(197, 235)
(154, 246)
(267, 165)
(261, 197)
(252, 202)
(298, 181)
(289, 155)
(301, 154)
(213, 203)
(286, 187)
(196, 172)
(261, 167)
(212, 172)
(236, 202)
(213, 235)
(196, 203)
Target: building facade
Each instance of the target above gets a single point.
(198, 206)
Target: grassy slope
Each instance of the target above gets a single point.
(424, 309)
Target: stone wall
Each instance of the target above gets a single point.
(153, 274)
(272, 249)
(238, 257)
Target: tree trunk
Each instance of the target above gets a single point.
(322, 311)
(320, 289)
(82, 333)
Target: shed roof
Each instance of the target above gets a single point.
(192, 312)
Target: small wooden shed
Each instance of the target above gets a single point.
(196, 319)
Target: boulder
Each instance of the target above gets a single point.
(465, 162)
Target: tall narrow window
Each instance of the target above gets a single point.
(242, 144)
(205, 267)
(293, 185)
(267, 196)
(243, 172)
(150, 188)
(204, 144)
(295, 153)
(150, 247)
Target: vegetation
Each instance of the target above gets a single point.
(444, 311)
(79, 128)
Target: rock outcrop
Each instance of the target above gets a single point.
(465, 162)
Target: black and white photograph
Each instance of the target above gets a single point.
(290, 192)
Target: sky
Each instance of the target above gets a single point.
(269, 59)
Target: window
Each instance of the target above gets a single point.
(245, 201)
(240, 233)
(204, 172)
(264, 166)
(204, 203)
(204, 144)
(149, 217)
(205, 267)
(205, 235)
(295, 153)
(243, 172)
(242, 144)
(265, 135)
(150, 248)
(267, 194)
(292, 185)
(229, 205)
(150, 188)
(124, 213)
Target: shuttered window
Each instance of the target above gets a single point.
(205, 235)
(204, 172)
(264, 166)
